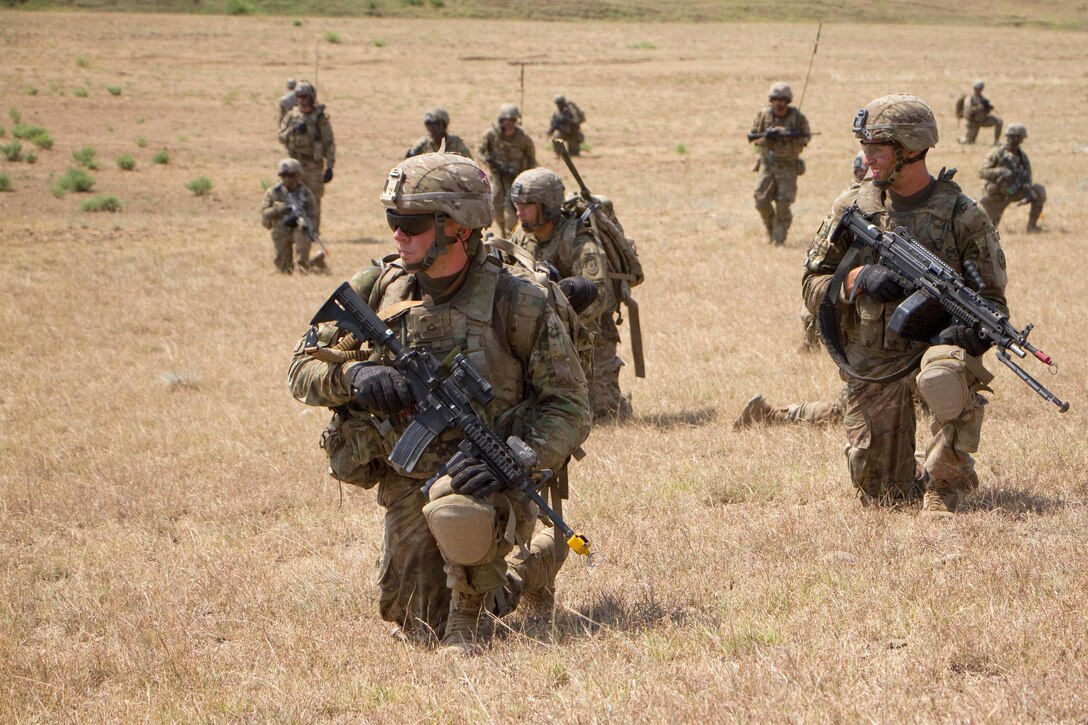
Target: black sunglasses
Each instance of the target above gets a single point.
(410, 224)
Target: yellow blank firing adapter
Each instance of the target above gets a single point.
(579, 544)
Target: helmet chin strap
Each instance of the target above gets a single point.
(900, 162)
(541, 219)
(440, 246)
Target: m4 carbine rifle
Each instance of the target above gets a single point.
(775, 132)
(938, 295)
(297, 216)
(1020, 182)
(442, 401)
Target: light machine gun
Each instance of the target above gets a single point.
(297, 216)
(938, 295)
(442, 401)
(1019, 183)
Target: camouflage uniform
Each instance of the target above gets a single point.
(506, 156)
(427, 144)
(513, 336)
(999, 171)
(977, 114)
(567, 123)
(312, 146)
(288, 99)
(274, 211)
(819, 412)
(880, 418)
(780, 164)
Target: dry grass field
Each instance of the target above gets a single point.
(171, 550)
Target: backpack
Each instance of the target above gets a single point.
(625, 270)
(960, 102)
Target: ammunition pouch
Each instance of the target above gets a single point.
(358, 445)
(800, 167)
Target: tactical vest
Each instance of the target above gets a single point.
(786, 150)
(307, 147)
(1006, 159)
(509, 150)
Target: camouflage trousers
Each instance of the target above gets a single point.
(573, 141)
(506, 216)
(313, 176)
(973, 126)
(776, 190)
(819, 412)
(605, 397)
(810, 332)
(283, 239)
(995, 204)
(414, 580)
(880, 431)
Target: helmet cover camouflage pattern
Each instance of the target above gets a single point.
(559, 100)
(898, 118)
(1017, 129)
(305, 88)
(509, 110)
(441, 183)
(538, 186)
(436, 114)
(290, 166)
(780, 90)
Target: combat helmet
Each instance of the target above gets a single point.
(978, 85)
(509, 110)
(902, 120)
(780, 89)
(539, 186)
(289, 166)
(438, 115)
(1017, 129)
(291, 83)
(560, 100)
(305, 88)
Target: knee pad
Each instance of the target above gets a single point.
(463, 527)
(942, 382)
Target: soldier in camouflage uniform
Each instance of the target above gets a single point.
(507, 150)
(307, 134)
(549, 233)
(436, 120)
(1006, 174)
(444, 564)
(288, 227)
(567, 123)
(896, 132)
(820, 412)
(780, 160)
(288, 99)
(976, 111)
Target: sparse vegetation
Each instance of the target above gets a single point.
(80, 92)
(241, 7)
(297, 23)
(15, 116)
(266, 183)
(76, 180)
(126, 162)
(162, 156)
(5, 182)
(102, 202)
(438, 4)
(82, 62)
(331, 36)
(12, 151)
(114, 90)
(34, 134)
(141, 142)
(644, 45)
(86, 157)
(30, 157)
(200, 186)
(680, 148)
(380, 42)
(32, 90)
(412, 3)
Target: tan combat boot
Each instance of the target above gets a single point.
(940, 499)
(469, 627)
(757, 410)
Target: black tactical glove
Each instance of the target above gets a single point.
(579, 291)
(328, 175)
(299, 127)
(772, 132)
(880, 283)
(290, 221)
(470, 477)
(379, 389)
(965, 337)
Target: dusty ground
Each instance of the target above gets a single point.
(171, 550)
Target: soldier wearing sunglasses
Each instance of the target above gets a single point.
(436, 121)
(446, 568)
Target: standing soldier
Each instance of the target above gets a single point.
(507, 150)
(896, 132)
(288, 210)
(567, 122)
(288, 100)
(444, 566)
(561, 237)
(977, 112)
(861, 167)
(436, 120)
(781, 132)
(307, 134)
(1006, 174)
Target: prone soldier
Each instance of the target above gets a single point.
(287, 209)
(781, 132)
(437, 121)
(977, 112)
(1006, 175)
(507, 150)
(306, 132)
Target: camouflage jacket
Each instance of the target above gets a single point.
(575, 252)
(287, 102)
(976, 107)
(314, 143)
(509, 331)
(1001, 159)
(784, 149)
(277, 194)
(426, 145)
(517, 152)
(567, 120)
(947, 223)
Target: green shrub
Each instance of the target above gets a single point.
(32, 90)
(161, 157)
(80, 92)
(644, 45)
(332, 37)
(102, 202)
(73, 180)
(241, 7)
(12, 151)
(265, 183)
(200, 186)
(141, 119)
(125, 162)
(114, 90)
(141, 142)
(2, 132)
(680, 148)
(86, 157)
(437, 4)
(412, 3)
(82, 62)
(14, 115)
(297, 23)
(31, 157)
(5, 182)
(380, 43)
(34, 134)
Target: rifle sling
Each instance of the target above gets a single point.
(827, 317)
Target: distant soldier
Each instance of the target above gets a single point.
(821, 412)
(1006, 174)
(976, 110)
(288, 100)
(507, 150)
(783, 132)
(436, 120)
(567, 123)
(288, 210)
(861, 167)
(307, 134)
